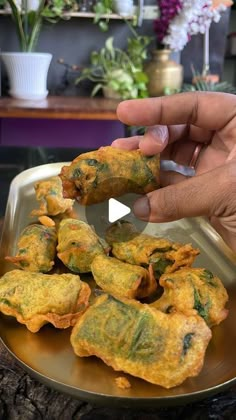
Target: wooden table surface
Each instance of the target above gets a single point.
(60, 107)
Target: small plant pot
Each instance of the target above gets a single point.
(27, 73)
(33, 4)
(123, 8)
(110, 93)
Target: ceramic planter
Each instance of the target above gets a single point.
(110, 93)
(123, 8)
(27, 74)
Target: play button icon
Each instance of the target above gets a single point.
(117, 210)
(101, 215)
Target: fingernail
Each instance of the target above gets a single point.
(159, 133)
(142, 208)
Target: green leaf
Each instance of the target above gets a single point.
(96, 89)
(141, 77)
(109, 44)
(94, 58)
(99, 8)
(103, 25)
(114, 84)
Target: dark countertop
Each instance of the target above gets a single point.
(24, 398)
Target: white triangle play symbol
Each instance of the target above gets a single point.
(116, 210)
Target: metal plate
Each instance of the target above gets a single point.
(48, 354)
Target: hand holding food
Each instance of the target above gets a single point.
(108, 172)
(191, 129)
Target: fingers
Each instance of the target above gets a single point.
(198, 196)
(203, 109)
(157, 137)
(153, 141)
(232, 155)
(130, 143)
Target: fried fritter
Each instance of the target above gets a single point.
(35, 299)
(49, 193)
(78, 244)
(163, 349)
(129, 245)
(122, 279)
(194, 290)
(109, 172)
(36, 249)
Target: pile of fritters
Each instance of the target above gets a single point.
(154, 311)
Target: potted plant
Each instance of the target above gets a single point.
(27, 70)
(117, 72)
(124, 8)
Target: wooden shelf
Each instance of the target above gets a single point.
(140, 13)
(60, 107)
(80, 15)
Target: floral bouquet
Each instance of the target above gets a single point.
(180, 19)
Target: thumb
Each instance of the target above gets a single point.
(210, 194)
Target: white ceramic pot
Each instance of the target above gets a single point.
(123, 8)
(33, 4)
(27, 74)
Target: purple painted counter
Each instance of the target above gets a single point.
(58, 133)
(59, 121)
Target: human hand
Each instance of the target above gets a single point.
(177, 123)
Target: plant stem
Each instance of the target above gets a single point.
(131, 28)
(19, 25)
(206, 65)
(36, 27)
(25, 19)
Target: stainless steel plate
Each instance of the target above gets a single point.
(48, 354)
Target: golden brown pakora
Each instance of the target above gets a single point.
(49, 193)
(163, 349)
(129, 245)
(109, 172)
(78, 244)
(194, 290)
(35, 299)
(122, 279)
(36, 249)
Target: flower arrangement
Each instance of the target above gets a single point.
(180, 19)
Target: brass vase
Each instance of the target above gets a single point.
(165, 75)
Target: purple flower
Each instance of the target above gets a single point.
(168, 9)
